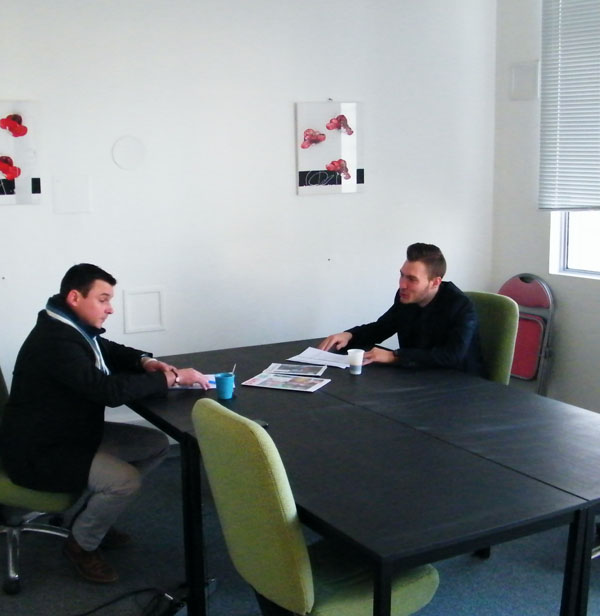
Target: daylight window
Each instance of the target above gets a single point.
(581, 236)
(570, 128)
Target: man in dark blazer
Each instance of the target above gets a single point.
(53, 435)
(435, 321)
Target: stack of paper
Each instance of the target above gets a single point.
(211, 384)
(324, 358)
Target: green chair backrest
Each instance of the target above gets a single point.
(498, 321)
(255, 506)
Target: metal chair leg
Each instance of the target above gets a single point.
(12, 584)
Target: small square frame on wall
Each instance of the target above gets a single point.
(143, 310)
(327, 145)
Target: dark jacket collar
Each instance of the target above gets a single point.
(58, 304)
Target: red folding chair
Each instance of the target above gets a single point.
(536, 308)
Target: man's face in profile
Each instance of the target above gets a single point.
(415, 286)
(95, 307)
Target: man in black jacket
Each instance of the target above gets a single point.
(435, 321)
(53, 434)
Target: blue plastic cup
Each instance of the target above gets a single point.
(224, 383)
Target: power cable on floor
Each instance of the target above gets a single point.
(160, 604)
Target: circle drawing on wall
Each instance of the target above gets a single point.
(128, 152)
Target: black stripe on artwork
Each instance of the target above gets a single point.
(7, 187)
(322, 177)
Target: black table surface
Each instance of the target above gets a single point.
(549, 440)
(409, 483)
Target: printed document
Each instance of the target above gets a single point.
(282, 381)
(295, 369)
(324, 358)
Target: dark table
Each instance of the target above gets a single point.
(409, 467)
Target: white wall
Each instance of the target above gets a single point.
(212, 216)
(521, 231)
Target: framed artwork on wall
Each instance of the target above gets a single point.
(20, 182)
(327, 148)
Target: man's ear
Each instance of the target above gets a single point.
(437, 281)
(72, 298)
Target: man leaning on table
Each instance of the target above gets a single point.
(53, 435)
(435, 321)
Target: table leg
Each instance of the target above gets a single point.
(193, 527)
(382, 590)
(577, 566)
(588, 544)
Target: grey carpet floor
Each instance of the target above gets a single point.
(522, 578)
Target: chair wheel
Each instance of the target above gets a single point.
(11, 587)
(483, 553)
(56, 520)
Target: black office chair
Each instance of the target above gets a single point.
(20, 508)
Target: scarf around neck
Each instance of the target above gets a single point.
(56, 309)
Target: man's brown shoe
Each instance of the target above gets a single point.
(115, 539)
(89, 565)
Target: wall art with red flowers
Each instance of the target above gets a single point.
(328, 157)
(20, 182)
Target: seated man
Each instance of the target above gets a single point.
(435, 321)
(53, 435)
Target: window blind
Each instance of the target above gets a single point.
(570, 105)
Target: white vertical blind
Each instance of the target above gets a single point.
(570, 105)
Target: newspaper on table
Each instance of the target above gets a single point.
(287, 382)
(324, 358)
(303, 370)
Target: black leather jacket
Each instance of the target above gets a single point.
(443, 334)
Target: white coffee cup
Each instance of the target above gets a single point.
(355, 357)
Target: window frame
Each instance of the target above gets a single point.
(559, 247)
(568, 182)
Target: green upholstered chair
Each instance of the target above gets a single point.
(264, 537)
(498, 321)
(498, 324)
(19, 510)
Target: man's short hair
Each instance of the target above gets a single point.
(81, 277)
(430, 255)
